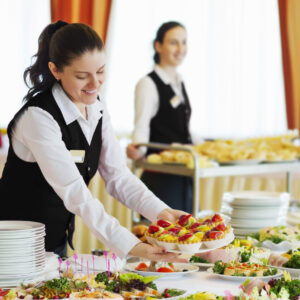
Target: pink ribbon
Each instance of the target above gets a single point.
(75, 258)
(60, 262)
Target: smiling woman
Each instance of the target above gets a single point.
(60, 138)
(82, 79)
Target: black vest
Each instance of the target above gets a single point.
(24, 192)
(170, 125)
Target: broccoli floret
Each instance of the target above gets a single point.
(219, 267)
(102, 277)
(245, 256)
(293, 262)
(198, 259)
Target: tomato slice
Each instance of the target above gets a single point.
(141, 266)
(164, 270)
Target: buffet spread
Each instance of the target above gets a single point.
(218, 264)
(245, 251)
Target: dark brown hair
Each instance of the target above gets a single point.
(160, 34)
(59, 43)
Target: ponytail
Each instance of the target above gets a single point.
(39, 74)
(59, 43)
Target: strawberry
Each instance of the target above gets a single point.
(217, 218)
(214, 234)
(196, 224)
(153, 229)
(208, 222)
(221, 227)
(183, 219)
(163, 223)
(175, 229)
(185, 237)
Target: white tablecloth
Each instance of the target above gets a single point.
(200, 282)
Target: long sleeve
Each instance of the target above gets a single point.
(146, 106)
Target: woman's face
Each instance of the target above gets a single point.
(173, 48)
(83, 78)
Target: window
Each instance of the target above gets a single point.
(21, 23)
(233, 69)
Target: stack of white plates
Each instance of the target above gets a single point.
(22, 252)
(252, 210)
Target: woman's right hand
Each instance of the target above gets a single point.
(155, 253)
(134, 152)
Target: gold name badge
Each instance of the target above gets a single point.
(78, 155)
(175, 101)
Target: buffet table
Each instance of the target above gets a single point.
(200, 282)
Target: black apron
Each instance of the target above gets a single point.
(25, 193)
(170, 125)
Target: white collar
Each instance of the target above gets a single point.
(164, 76)
(69, 110)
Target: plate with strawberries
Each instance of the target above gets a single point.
(191, 235)
(164, 269)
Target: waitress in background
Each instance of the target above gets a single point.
(162, 114)
(60, 138)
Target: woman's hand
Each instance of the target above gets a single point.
(134, 152)
(155, 253)
(170, 214)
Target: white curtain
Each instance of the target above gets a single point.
(233, 69)
(21, 22)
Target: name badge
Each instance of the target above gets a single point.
(78, 155)
(175, 101)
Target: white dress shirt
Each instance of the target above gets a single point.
(37, 138)
(147, 103)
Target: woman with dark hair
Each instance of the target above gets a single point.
(162, 114)
(59, 139)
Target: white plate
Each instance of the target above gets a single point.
(261, 223)
(14, 226)
(178, 266)
(243, 278)
(252, 212)
(255, 198)
(242, 162)
(280, 161)
(227, 240)
(202, 265)
(293, 272)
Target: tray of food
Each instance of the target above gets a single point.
(191, 235)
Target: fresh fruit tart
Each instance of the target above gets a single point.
(188, 233)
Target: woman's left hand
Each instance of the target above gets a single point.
(170, 214)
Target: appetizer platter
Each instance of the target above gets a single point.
(191, 235)
(161, 269)
(239, 250)
(278, 238)
(288, 261)
(241, 271)
(103, 285)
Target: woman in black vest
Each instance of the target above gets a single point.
(162, 114)
(59, 139)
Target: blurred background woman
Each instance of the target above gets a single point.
(162, 113)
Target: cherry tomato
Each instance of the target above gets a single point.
(164, 270)
(141, 266)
